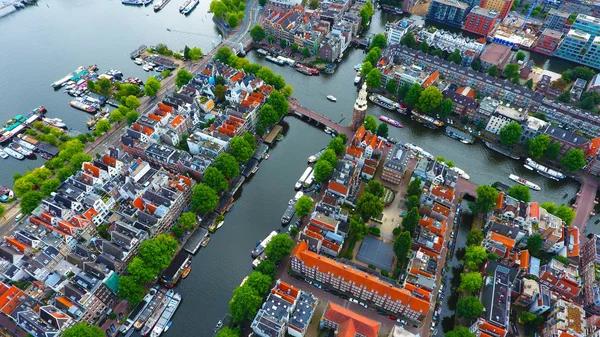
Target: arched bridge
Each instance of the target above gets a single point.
(300, 111)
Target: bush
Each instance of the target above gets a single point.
(372, 267)
(397, 231)
(375, 231)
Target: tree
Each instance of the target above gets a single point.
(265, 74)
(184, 76)
(357, 228)
(520, 192)
(152, 87)
(581, 72)
(382, 130)
(574, 160)
(337, 145)
(566, 213)
(141, 272)
(104, 86)
(177, 231)
(283, 43)
(227, 164)
(565, 97)
(552, 151)
(83, 330)
(204, 198)
(409, 40)
(295, 48)
(438, 53)
(412, 202)
(430, 99)
(116, 116)
(370, 124)
(2, 211)
(510, 134)
(486, 199)
(374, 187)
(475, 256)
(232, 19)
(411, 220)
(279, 247)
(329, 156)
(103, 125)
(305, 50)
(259, 282)
(474, 237)
(287, 91)
(214, 179)
(373, 56)
(403, 90)
(366, 13)
(130, 289)
(187, 220)
(511, 70)
(227, 331)
(402, 246)
(460, 331)
(278, 101)
(64, 173)
(534, 243)
(446, 107)
(424, 47)
(244, 304)
(132, 102)
(323, 170)
(538, 145)
(492, 71)
(369, 205)
(240, 149)
(30, 201)
(304, 205)
(365, 68)
(471, 282)
(374, 78)
(455, 57)
(78, 159)
(186, 52)
(414, 187)
(379, 41)
(267, 267)
(529, 84)
(196, 54)
(390, 86)
(476, 64)
(469, 307)
(49, 186)
(132, 116)
(156, 253)
(413, 94)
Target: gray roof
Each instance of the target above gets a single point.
(566, 136)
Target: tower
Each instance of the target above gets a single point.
(360, 109)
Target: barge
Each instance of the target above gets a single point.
(542, 170)
(427, 121)
(524, 182)
(501, 150)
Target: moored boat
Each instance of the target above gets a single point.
(501, 150)
(190, 7)
(157, 313)
(205, 241)
(543, 170)
(390, 121)
(303, 178)
(186, 271)
(187, 2)
(166, 315)
(524, 182)
(56, 122)
(79, 105)
(331, 98)
(427, 121)
(143, 316)
(357, 78)
(25, 144)
(312, 159)
(3, 154)
(262, 245)
(16, 147)
(14, 153)
(461, 173)
(16, 125)
(160, 5)
(132, 2)
(288, 214)
(384, 102)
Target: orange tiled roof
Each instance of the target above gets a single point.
(534, 210)
(351, 323)
(499, 201)
(338, 187)
(486, 326)
(524, 259)
(504, 240)
(443, 192)
(432, 78)
(573, 232)
(443, 210)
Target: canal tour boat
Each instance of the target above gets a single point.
(331, 98)
(547, 172)
(524, 182)
(390, 121)
(384, 102)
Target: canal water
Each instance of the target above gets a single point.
(42, 44)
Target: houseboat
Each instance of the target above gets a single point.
(313, 159)
(14, 153)
(166, 316)
(262, 245)
(524, 182)
(145, 314)
(137, 311)
(303, 178)
(79, 105)
(288, 214)
(306, 70)
(19, 123)
(547, 172)
(427, 121)
(173, 273)
(501, 150)
(457, 134)
(157, 313)
(18, 148)
(384, 102)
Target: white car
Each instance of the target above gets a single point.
(353, 300)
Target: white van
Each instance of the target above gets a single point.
(19, 216)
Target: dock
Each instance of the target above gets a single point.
(271, 136)
(136, 53)
(193, 244)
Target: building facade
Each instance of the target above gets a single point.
(481, 21)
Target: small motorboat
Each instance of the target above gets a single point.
(138, 61)
(219, 325)
(168, 326)
(220, 224)
(255, 169)
(3, 154)
(331, 98)
(267, 156)
(186, 271)
(464, 141)
(56, 122)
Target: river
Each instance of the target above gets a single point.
(42, 44)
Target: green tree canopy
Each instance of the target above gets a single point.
(374, 78)
(329, 156)
(227, 331)
(574, 160)
(220, 92)
(267, 115)
(373, 56)
(365, 68)
(103, 125)
(414, 187)
(511, 70)
(322, 170)
(379, 41)
(411, 220)
(244, 304)
(49, 186)
(30, 201)
(564, 97)
(455, 57)
(240, 149)
(132, 116)
(287, 91)
(267, 267)
(140, 271)
(446, 107)
(116, 116)
(374, 187)
(187, 220)
(278, 101)
(430, 99)
(382, 130)
(469, 307)
(305, 50)
(520, 192)
(337, 145)
(195, 54)
(366, 12)
(552, 151)
(474, 256)
(534, 243)
(409, 40)
(279, 247)
(474, 237)
(152, 87)
(424, 47)
(510, 134)
(304, 205)
(204, 198)
(471, 282)
(227, 164)
(391, 86)
(183, 77)
(538, 145)
(369, 205)
(460, 331)
(492, 71)
(259, 282)
(129, 289)
(402, 246)
(83, 330)
(520, 56)
(412, 202)
(370, 123)
(413, 95)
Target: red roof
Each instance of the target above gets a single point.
(350, 323)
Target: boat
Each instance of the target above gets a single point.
(390, 121)
(138, 61)
(132, 2)
(524, 182)
(146, 2)
(262, 245)
(255, 169)
(427, 121)
(58, 84)
(168, 326)
(464, 141)
(166, 316)
(267, 155)
(187, 2)
(331, 98)
(303, 178)
(312, 159)
(17, 124)
(258, 260)
(461, 173)
(358, 67)
(143, 316)
(288, 214)
(157, 313)
(190, 7)
(16, 147)
(14, 153)
(6, 194)
(275, 60)
(160, 5)
(205, 241)
(147, 67)
(384, 102)
(3, 154)
(501, 150)
(306, 70)
(462, 136)
(219, 325)
(79, 105)
(357, 78)
(543, 170)
(186, 271)
(25, 144)
(220, 224)
(137, 311)
(56, 122)
(296, 197)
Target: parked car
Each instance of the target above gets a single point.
(392, 317)
(353, 300)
